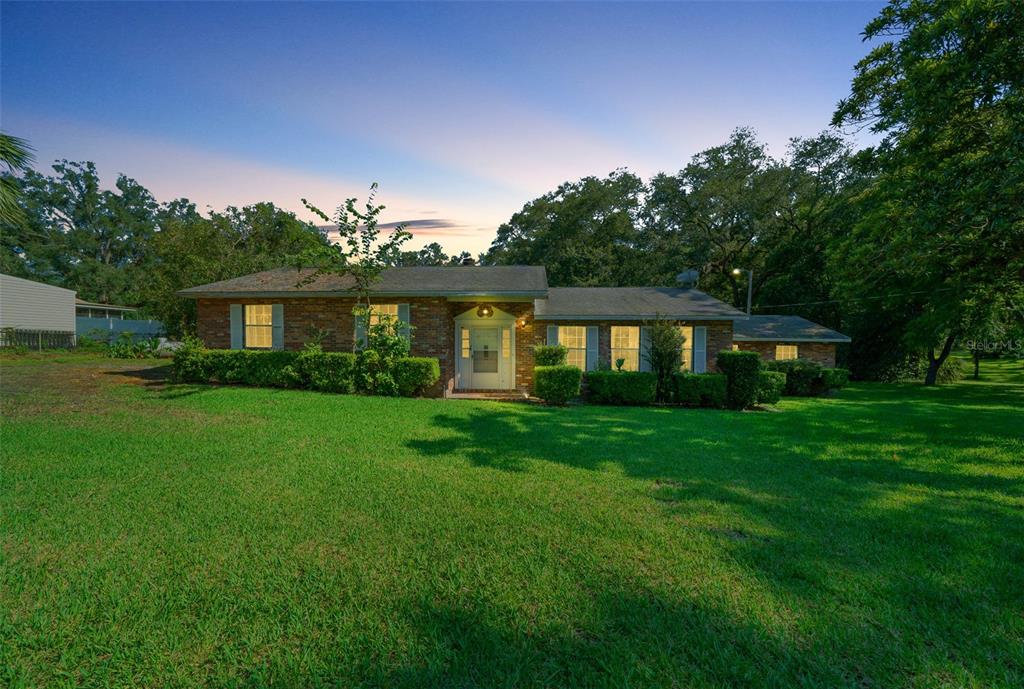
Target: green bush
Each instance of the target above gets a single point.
(700, 389)
(312, 369)
(741, 370)
(316, 369)
(415, 374)
(950, 371)
(836, 378)
(556, 384)
(770, 385)
(803, 378)
(621, 387)
(248, 367)
(190, 363)
(807, 378)
(550, 355)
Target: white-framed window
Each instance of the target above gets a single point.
(784, 352)
(574, 338)
(259, 326)
(506, 343)
(626, 346)
(686, 356)
(464, 342)
(378, 310)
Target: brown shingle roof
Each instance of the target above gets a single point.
(784, 329)
(631, 303)
(524, 281)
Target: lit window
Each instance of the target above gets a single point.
(784, 352)
(465, 342)
(259, 325)
(378, 310)
(686, 357)
(735, 348)
(626, 346)
(506, 343)
(574, 338)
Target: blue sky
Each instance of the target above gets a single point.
(462, 112)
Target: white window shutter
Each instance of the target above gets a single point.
(645, 348)
(700, 349)
(237, 327)
(403, 316)
(591, 347)
(552, 334)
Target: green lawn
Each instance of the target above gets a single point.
(178, 536)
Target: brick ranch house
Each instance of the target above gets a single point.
(482, 322)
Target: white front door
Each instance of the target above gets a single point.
(485, 358)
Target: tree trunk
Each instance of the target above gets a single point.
(934, 363)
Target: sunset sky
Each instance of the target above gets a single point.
(462, 112)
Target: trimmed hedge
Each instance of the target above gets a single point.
(808, 378)
(700, 389)
(415, 374)
(741, 370)
(770, 385)
(836, 378)
(550, 355)
(310, 369)
(621, 387)
(803, 378)
(556, 384)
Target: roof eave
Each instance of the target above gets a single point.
(777, 338)
(640, 317)
(271, 294)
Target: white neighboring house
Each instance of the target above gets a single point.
(32, 312)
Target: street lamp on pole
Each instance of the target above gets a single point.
(750, 285)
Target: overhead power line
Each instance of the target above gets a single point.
(839, 301)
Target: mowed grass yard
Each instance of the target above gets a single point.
(159, 535)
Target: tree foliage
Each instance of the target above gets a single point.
(941, 228)
(15, 157)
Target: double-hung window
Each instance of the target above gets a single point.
(784, 352)
(626, 346)
(574, 338)
(259, 326)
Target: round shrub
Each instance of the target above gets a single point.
(741, 370)
(950, 371)
(189, 364)
(550, 355)
(770, 385)
(415, 374)
(621, 387)
(556, 384)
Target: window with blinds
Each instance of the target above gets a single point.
(574, 338)
(259, 326)
(784, 352)
(626, 346)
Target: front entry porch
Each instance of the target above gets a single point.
(485, 356)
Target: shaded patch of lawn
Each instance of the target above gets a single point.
(186, 535)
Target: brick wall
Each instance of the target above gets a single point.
(822, 352)
(719, 337)
(432, 318)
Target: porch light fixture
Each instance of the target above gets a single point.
(484, 311)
